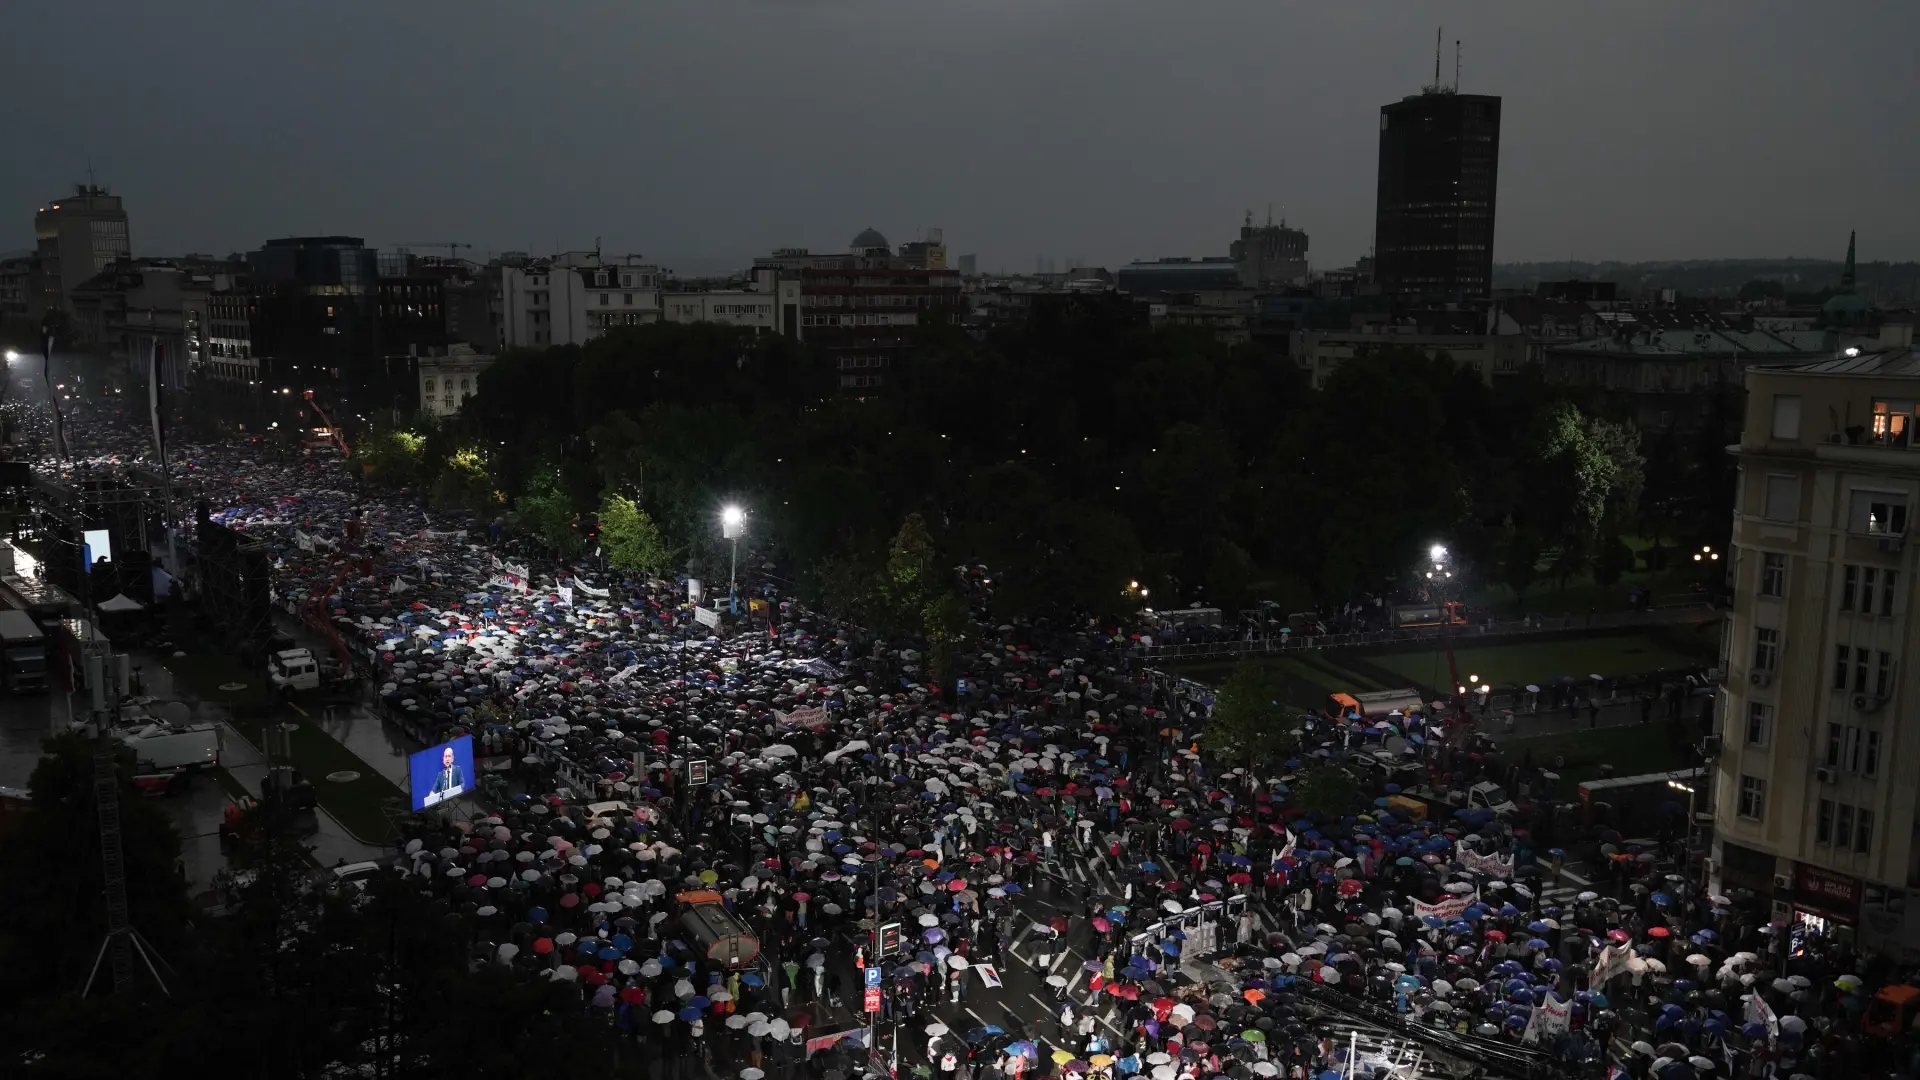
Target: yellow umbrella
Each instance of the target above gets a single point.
(709, 876)
(1100, 1061)
(1061, 1057)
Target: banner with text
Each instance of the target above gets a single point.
(1446, 910)
(1492, 865)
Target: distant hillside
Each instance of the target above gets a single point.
(1888, 284)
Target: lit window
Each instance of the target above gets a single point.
(1753, 797)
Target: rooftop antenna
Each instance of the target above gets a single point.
(90, 183)
(1436, 57)
(1456, 65)
(1269, 215)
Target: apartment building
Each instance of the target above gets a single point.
(570, 298)
(1820, 725)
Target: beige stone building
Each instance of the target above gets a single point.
(1815, 797)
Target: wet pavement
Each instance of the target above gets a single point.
(25, 721)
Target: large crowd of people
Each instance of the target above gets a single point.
(1053, 817)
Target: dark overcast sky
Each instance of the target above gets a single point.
(1109, 129)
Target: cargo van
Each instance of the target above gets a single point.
(1415, 616)
(1377, 703)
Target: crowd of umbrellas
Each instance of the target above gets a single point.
(1233, 934)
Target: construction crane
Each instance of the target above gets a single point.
(333, 429)
(453, 246)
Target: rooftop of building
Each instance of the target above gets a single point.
(1901, 363)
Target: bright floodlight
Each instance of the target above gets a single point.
(1439, 553)
(12, 356)
(732, 515)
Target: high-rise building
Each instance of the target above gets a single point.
(77, 237)
(1270, 255)
(1433, 220)
(1813, 807)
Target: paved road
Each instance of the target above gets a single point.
(27, 720)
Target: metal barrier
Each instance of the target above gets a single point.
(1289, 643)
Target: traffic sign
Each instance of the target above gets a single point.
(888, 938)
(873, 978)
(873, 1000)
(697, 772)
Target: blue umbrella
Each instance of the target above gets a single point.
(689, 1014)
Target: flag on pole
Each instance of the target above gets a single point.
(154, 407)
(53, 397)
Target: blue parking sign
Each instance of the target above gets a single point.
(873, 978)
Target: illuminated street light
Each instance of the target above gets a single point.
(733, 523)
(1439, 554)
(12, 356)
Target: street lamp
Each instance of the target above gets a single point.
(733, 523)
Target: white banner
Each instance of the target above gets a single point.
(813, 719)
(1759, 1012)
(1610, 962)
(1493, 865)
(302, 541)
(566, 595)
(624, 674)
(1292, 841)
(587, 590)
(1446, 910)
(1549, 1021)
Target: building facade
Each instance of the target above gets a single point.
(757, 311)
(446, 382)
(1270, 255)
(19, 292)
(575, 297)
(1814, 807)
(1439, 173)
(861, 306)
(77, 237)
(134, 306)
(1321, 352)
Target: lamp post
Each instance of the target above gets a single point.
(733, 523)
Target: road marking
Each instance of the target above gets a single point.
(1044, 1007)
(977, 1016)
(1064, 953)
(295, 706)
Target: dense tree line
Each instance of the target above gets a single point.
(1071, 456)
(296, 981)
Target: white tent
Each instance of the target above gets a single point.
(122, 602)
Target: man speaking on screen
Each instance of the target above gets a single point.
(450, 781)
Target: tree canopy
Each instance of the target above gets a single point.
(1070, 456)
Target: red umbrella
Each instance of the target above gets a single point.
(543, 946)
(1659, 931)
(1496, 935)
(1181, 825)
(571, 900)
(1348, 887)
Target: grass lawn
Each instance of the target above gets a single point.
(1312, 675)
(1581, 594)
(1631, 750)
(359, 805)
(1506, 666)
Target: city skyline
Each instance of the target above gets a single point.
(672, 132)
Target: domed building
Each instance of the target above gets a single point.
(1846, 308)
(867, 241)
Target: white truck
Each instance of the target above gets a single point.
(24, 664)
(162, 746)
(293, 670)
